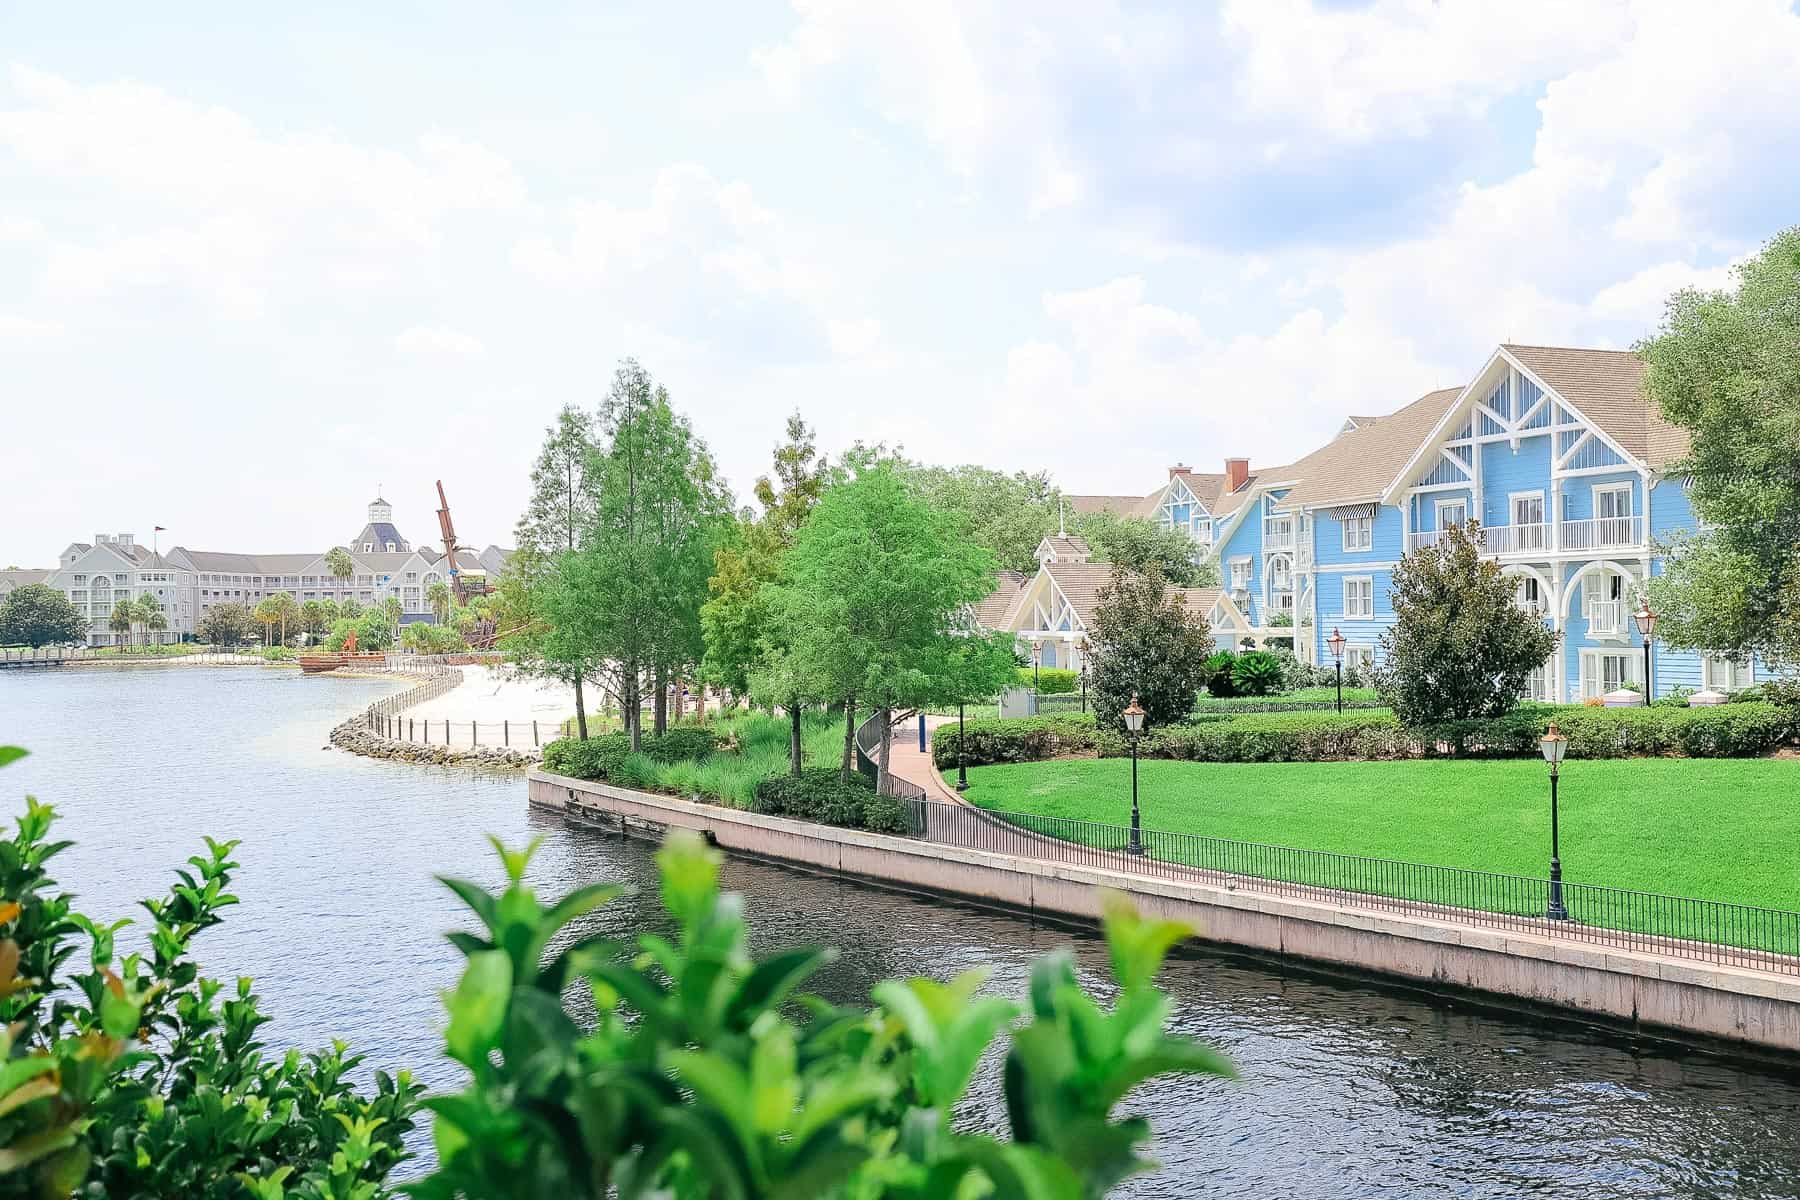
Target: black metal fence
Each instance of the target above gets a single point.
(1734, 935)
(868, 747)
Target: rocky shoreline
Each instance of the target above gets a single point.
(355, 736)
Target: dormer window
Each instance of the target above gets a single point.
(368, 547)
(390, 547)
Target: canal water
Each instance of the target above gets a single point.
(1349, 1089)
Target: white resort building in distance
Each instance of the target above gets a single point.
(97, 575)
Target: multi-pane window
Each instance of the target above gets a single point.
(1359, 533)
(1240, 574)
(1359, 596)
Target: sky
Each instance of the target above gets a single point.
(258, 261)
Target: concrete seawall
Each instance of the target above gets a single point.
(1655, 992)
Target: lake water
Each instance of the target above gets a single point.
(1349, 1089)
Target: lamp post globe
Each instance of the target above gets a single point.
(1645, 617)
(1554, 745)
(1336, 642)
(1134, 727)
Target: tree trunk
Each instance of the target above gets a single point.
(630, 707)
(849, 739)
(680, 705)
(794, 736)
(887, 741)
(660, 710)
(580, 711)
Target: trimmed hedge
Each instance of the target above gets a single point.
(1051, 681)
(1728, 731)
(1020, 739)
(1303, 700)
(602, 757)
(820, 794)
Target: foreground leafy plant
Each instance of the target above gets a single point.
(139, 1077)
(708, 1075)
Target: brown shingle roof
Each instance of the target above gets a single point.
(1125, 506)
(996, 609)
(1359, 463)
(1068, 547)
(1608, 387)
(1082, 583)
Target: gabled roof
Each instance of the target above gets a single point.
(380, 533)
(1359, 462)
(1607, 386)
(1262, 478)
(997, 609)
(1203, 486)
(1124, 506)
(19, 577)
(1066, 547)
(1082, 583)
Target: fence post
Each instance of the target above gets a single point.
(409, 729)
(534, 740)
(474, 734)
(505, 733)
(446, 731)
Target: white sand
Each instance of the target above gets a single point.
(491, 695)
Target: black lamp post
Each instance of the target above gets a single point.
(1555, 745)
(1646, 623)
(1134, 727)
(1037, 656)
(1336, 642)
(1084, 648)
(962, 766)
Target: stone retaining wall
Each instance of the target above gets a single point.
(1654, 992)
(358, 735)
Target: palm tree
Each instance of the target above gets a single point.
(123, 616)
(285, 610)
(156, 622)
(146, 607)
(391, 606)
(438, 596)
(266, 616)
(340, 564)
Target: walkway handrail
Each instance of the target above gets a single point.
(1721, 932)
(866, 743)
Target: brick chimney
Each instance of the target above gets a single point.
(1177, 469)
(1237, 470)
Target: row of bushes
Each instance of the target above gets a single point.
(1728, 731)
(822, 794)
(1050, 681)
(1020, 739)
(1310, 699)
(604, 757)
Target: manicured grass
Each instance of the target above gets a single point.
(1718, 829)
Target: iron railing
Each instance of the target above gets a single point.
(868, 745)
(1734, 935)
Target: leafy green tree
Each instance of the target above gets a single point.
(1723, 367)
(267, 615)
(1459, 647)
(123, 619)
(704, 1074)
(391, 610)
(350, 610)
(646, 555)
(225, 625)
(287, 612)
(565, 490)
(1138, 544)
(877, 591)
(144, 610)
(38, 615)
(800, 477)
(1148, 643)
(1007, 514)
(135, 1075)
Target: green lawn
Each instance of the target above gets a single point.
(1719, 829)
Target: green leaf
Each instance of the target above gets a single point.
(1137, 945)
(11, 754)
(772, 981)
(478, 1008)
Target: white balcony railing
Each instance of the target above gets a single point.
(1422, 539)
(1603, 533)
(1605, 617)
(1278, 539)
(1515, 539)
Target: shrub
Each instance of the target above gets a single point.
(1148, 644)
(132, 1074)
(1728, 731)
(1308, 699)
(702, 1073)
(1021, 739)
(819, 794)
(1219, 674)
(1257, 673)
(1785, 692)
(606, 757)
(1051, 681)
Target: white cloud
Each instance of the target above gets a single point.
(1352, 74)
(437, 341)
(22, 331)
(853, 337)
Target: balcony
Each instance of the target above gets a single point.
(1278, 539)
(1603, 533)
(1516, 539)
